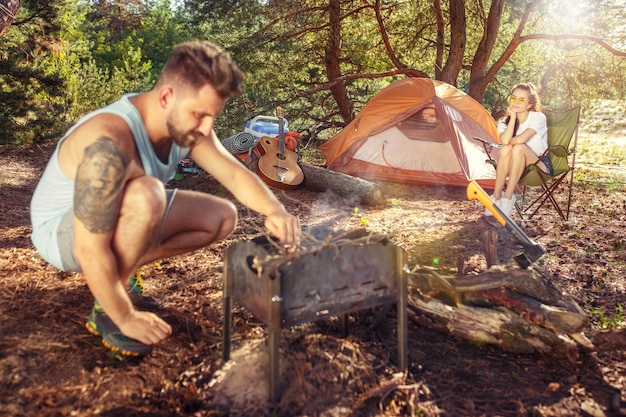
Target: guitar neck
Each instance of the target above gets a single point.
(280, 114)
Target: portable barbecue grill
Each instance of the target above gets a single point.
(333, 279)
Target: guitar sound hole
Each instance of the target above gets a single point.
(281, 156)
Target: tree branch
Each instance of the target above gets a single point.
(385, 36)
(8, 9)
(591, 38)
(407, 71)
(515, 41)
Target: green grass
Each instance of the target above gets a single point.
(607, 321)
(593, 178)
(603, 153)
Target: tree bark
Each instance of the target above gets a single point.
(350, 189)
(8, 9)
(458, 40)
(520, 311)
(333, 63)
(441, 38)
(478, 75)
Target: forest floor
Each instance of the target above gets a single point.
(51, 366)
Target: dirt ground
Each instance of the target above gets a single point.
(51, 366)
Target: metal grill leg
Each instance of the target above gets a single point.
(403, 348)
(228, 292)
(274, 336)
(227, 327)
(345, 325)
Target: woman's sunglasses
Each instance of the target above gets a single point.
(519, 100)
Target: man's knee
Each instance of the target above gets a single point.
(146, 197)
(229, 217)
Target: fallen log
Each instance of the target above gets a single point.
(350, 189)
(499, 327)
(520, 311)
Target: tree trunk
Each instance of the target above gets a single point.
(441, 38)
(478, 76)
(8, 9)
(481, 76)
(333, 64)
(458, 40)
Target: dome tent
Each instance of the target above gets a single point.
(416, 131)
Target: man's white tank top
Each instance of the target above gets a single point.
(54, 195)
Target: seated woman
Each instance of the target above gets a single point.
(524, 137)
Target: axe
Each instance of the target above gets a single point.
(532, 249)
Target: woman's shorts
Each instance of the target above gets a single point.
(546, 162)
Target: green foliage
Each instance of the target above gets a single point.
(63, 59)
(29, 111)
(569, 72)
(49, 79)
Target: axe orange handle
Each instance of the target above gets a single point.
(476, 192)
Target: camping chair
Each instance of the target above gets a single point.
(562, 138)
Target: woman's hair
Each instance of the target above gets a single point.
(196, 63)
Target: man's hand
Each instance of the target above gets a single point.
(145, 327)
(284, 226)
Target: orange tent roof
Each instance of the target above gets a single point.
(462, 116)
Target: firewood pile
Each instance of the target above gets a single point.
(519, 310)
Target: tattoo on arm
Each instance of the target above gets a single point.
(99, 185)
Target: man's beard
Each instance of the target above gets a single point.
(184, 139)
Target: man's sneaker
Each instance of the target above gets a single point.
(144, 302)
(137, 296)
(99, 324)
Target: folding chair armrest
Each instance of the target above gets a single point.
(560, 151)
(530, 168)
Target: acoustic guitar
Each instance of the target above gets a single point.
(278, 167)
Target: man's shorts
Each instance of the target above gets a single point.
(65, 235)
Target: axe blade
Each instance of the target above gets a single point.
(532, 249)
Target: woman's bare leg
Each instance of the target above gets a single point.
(502, 170)
(521, 157)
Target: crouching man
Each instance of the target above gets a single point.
(101, 207)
